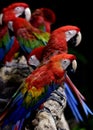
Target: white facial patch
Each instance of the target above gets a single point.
(65, 63)
(34, 61)
(70, 34)
(18, 11)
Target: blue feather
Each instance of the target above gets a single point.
(25, 48)
(6, 48)
(67, 89)
(86, 108)
(9, 44)
(73, 104)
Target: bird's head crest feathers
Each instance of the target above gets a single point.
(71, 32)
(71, 57)
(14, 5)
(15, 10)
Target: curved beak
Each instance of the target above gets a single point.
(74, 65)
(1, 17)
(27, 14)
(79, 38)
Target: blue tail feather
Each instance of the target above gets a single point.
(86, 108)
(70, 93)
(72, 103)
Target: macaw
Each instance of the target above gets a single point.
(68, 33)
(28, 36)
(43, 18)
(8, 42)
(38, 19)
(20, 9)
(35, 89)
(58, 43)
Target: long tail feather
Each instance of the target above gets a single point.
(86, 109)
(73, 87)
(73, 103)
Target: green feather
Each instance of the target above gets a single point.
(4, 40)
(31, 43)
(43, 36)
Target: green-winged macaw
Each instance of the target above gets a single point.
(8, 42)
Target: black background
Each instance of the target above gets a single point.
(74, 13)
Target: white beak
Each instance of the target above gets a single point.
(79, 37)
(28, 14)
(74, 65)
(1, 16)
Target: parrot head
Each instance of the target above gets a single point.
(65, 61)
(72, 34)
(18, 9)
(43, 17)
(46, 13)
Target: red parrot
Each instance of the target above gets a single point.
(8, 43)
(43, 18)
(35, 89)
(19, 9)
(59, 40)
(58, 43)
(27, 35)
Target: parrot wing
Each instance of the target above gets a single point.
(26, 99)
(28, 36)
(5, 42)
(12, 52)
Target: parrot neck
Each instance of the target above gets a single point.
(57, 71)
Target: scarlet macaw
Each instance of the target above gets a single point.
(35, 89)
(28, 36)
(9, 44)
(42, 18)
(58, 43)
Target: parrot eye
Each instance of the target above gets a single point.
(18, 11)
(70, 32)
(17, 8)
